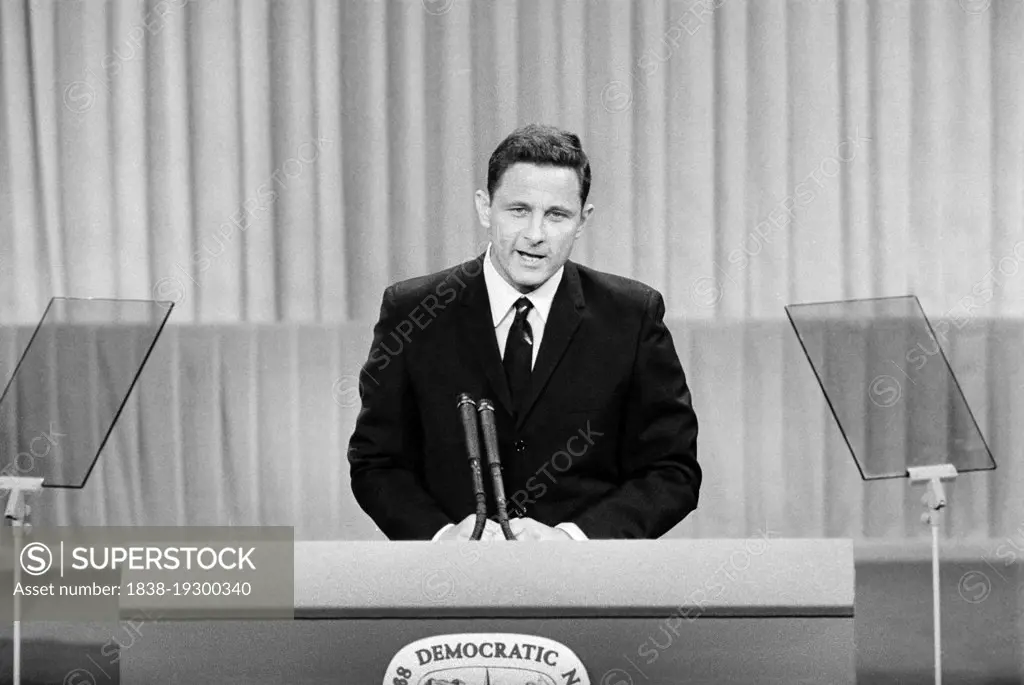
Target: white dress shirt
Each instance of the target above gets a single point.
(503, 297)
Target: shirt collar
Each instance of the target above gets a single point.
(503, 296)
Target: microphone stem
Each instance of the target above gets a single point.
(490, 430)
(470, 427)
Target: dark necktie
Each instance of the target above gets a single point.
(519, 354)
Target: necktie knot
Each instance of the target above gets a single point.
(523, 306)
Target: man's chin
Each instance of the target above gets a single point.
(529, 281)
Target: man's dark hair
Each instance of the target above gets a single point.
(543, 146)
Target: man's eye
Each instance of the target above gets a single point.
(519, 211)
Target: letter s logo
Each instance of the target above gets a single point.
(36, 558)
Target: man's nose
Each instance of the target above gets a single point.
(535, 229)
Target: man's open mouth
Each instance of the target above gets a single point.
(529, 257)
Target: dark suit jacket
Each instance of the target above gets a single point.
(608, 440)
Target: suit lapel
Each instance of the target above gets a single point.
(478, 340)
(563, 320)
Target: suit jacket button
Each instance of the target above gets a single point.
(520, 446)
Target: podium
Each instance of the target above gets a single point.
(764, 610)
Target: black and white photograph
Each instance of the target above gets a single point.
(512, 342)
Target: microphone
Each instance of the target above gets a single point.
(486, 410)
(467, 408)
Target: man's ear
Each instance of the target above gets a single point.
(584, 217)
(483, 208)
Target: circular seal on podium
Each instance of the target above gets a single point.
(486, 659)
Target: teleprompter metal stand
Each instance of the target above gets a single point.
(16, 490)
(73, 341)
(934, 501)
(887, 381)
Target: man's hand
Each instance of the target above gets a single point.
(463, 529)
(529, 529)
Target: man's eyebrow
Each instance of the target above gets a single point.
(553, 208)
(561, 208)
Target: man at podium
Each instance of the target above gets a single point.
(596, 432)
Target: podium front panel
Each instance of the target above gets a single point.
(654, 612)
(626, 651)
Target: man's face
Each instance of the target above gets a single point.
(534, 219)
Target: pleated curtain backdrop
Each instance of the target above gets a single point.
(272, 166)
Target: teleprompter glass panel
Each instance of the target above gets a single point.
(889, 385)
(71, 383)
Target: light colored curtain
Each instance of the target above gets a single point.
(273, 166)
(285, 161)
